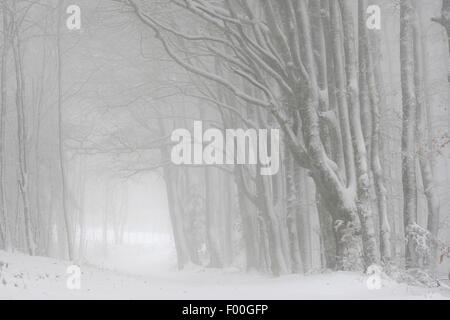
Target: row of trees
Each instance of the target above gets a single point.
(36, 209)
(364, 173)
(314, 70)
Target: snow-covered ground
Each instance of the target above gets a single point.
(149, 272)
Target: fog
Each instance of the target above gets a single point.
(252, 141)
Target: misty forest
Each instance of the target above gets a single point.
(92, 91)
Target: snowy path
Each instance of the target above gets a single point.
(43, 278)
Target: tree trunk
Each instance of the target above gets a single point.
(4, 223)
(374, 100)
(428, 180)
(176, 218)
(409, 103)
(65, 209)
(250, 223)
(371, 253)
(212, 215)
(292, 207)
(22, 135)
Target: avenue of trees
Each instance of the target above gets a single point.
(363, 116)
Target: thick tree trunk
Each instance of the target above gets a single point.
(409, 102)
(302, 217)
(292, 207)
(170, 174)
(183, 256)
(22, 135)
(327, 236)
(227, 213)
(367, 67)
(4, 223)
(65, 208)
(250, 223)
(213, 211)
(371, 252)
(279, 263)
(428, 180)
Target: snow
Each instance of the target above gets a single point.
(149, 272)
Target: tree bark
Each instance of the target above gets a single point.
(426, 170)
(409, 103)
(371, 252)
(4, 223)
(23, 152)
(65, 209)
(368, 69)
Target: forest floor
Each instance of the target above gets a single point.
(150, 273)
